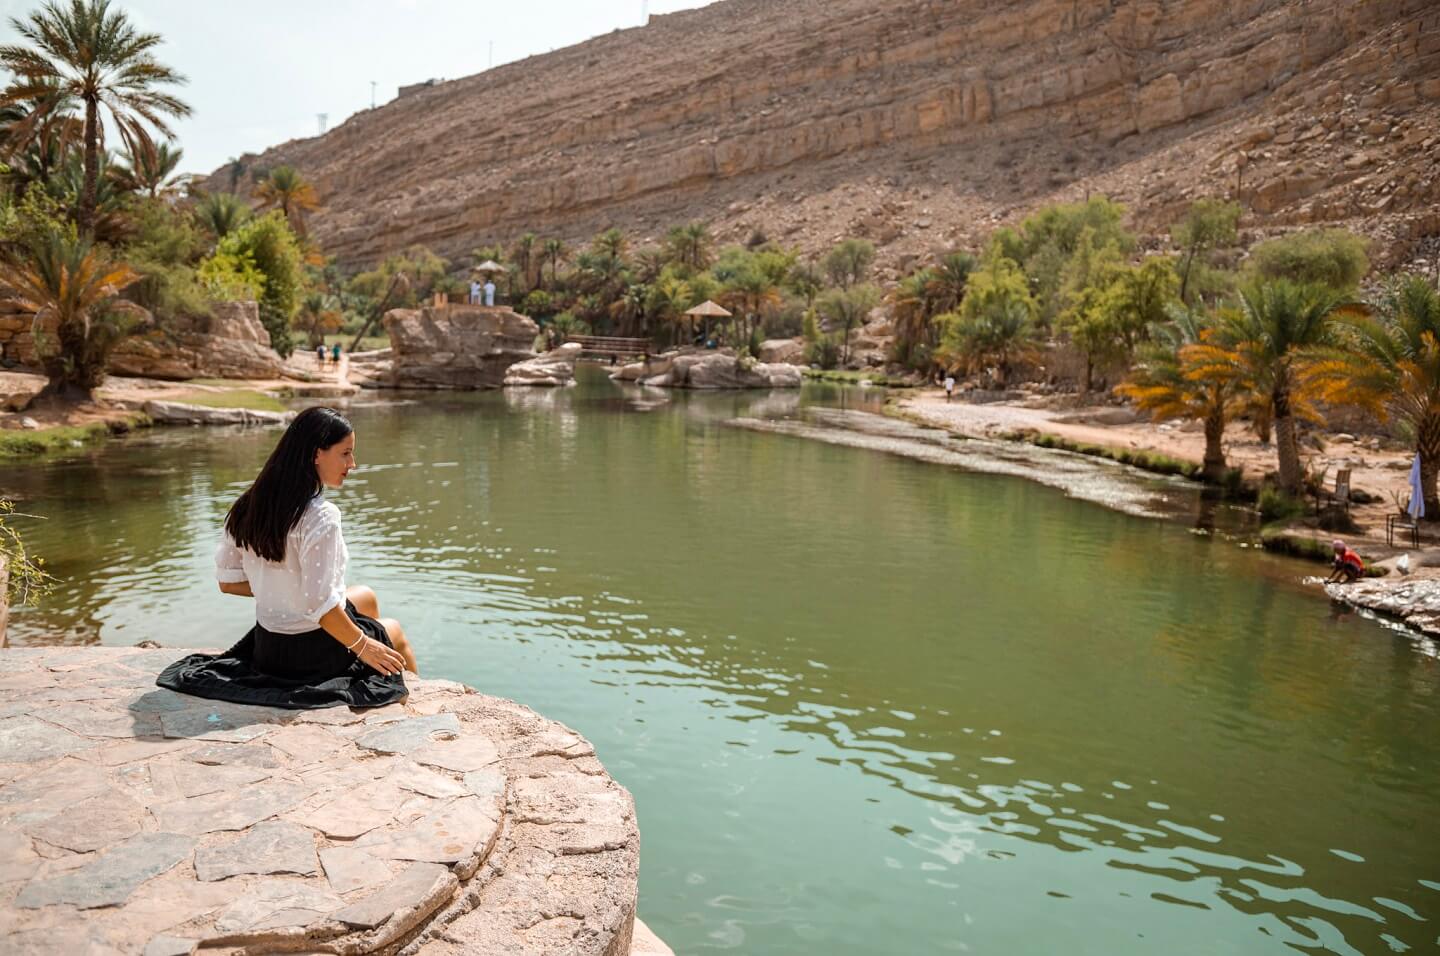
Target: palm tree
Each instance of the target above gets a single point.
(291, 193)
(690, 245)
(61, 277)
(995, 337)
(37, 132)
(554, 251)
(222, 213)
(524, 256)
(1173, 378)
(150, 170)
(319, 314)
(629, 309)
(88, 52)
(611, 243)
(1391, 365)
(947, 281)
(753, 294)
(669, 298)
(914, 307)
(1277, 333)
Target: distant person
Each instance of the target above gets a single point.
(474, 291)
(320, 354)
(335, 353)
(489, 291)
(1348, 566)
(949, 387)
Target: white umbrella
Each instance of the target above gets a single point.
(1417, 491)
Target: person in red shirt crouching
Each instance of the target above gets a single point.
(1348, 566)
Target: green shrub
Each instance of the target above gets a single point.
(1275, 505)
(1330, 257)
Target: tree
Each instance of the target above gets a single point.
(669, 298)
(995, 326)
(1170, 381)
(1048, 239)
(92, 53)
(1389, 363)
(806, 280)
(285, 189)
(690, 245)
(947, 281)
(318, 315)
(751, 289)
(1278, 331)
(849, 262)
(61, 276)
(1329, 257)
(523, 256)
(914, 307)
(272, 247)
(555, 252)
(150, 170)
(221, 213)
(848, 307)
(1208, 224)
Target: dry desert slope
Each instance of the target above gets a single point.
(917, 123)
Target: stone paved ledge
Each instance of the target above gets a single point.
(137, 820)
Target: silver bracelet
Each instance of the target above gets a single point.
(352, 647)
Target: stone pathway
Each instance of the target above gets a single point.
(137, 820)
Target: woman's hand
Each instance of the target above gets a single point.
(377, 656)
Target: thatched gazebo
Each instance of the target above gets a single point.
(706, 310)
(488, 267)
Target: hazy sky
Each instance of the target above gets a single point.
(260, 70)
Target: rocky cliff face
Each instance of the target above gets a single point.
(918, 123)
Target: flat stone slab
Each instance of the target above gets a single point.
(134, 819)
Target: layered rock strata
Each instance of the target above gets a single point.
(455, 346)
(135, 819)
(917, 123)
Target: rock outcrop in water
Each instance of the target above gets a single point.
(708, 369)
(456, 346)
(915, 123)
(554, 368)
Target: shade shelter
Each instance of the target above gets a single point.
(707, 310)
(489, 266)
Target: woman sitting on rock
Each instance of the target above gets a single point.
(315, 643)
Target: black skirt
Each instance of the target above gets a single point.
(297, 671)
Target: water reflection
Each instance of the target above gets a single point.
(865, 704)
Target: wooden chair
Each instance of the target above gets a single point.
(1339, 497)
(1404, 525)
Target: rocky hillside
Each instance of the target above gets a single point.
(920, 124)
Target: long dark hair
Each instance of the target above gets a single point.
(262, 517)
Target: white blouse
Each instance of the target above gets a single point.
(291, 596)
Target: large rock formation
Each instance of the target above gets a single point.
(917, 123)
(228, 343)
(456, 346)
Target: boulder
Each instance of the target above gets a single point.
(556, 367)
(711, 369)
(457, 346)
(789, 351)
(178, 413)
(230, 343)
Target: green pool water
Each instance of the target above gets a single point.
(865, 704)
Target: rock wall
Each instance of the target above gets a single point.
(229, 343)
(456, 346)
(916, 122)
